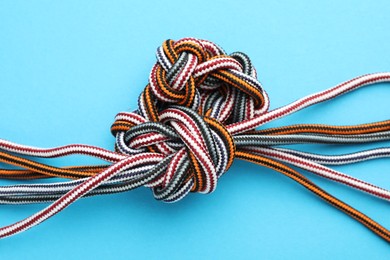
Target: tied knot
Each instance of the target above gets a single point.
(199, 74)
(198, 149)
(195, 89)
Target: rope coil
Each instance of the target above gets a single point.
(199, 111)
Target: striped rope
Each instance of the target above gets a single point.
(198, 112)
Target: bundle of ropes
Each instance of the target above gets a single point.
(199, 111)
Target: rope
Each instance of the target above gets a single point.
(199, 111)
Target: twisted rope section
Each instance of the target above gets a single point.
(198, 112)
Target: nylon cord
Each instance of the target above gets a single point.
(199, 111)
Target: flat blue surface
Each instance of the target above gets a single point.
(67, 67)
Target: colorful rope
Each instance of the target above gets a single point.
(198, 112)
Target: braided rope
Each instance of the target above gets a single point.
(198, 112)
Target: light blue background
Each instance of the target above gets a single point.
(67, 67)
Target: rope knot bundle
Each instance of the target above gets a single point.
(194, 89)
(199, 74)
(199, 112)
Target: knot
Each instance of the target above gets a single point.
(200, 149)
(195, 89)
(199, 74)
